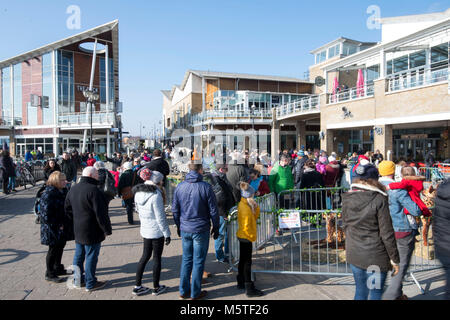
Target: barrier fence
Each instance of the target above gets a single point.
(435, 174)
(303, 234)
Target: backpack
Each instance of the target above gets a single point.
(37, 201)
(110, 186)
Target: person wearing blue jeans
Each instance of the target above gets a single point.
(369, 285)
(195, 248)
(88, 253)
(12, 184)
(194, 206)
(221, 243)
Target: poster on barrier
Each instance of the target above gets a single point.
(289, 220)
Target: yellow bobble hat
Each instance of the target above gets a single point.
(386, 168)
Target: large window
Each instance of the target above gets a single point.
(6, 94)
(334, 51)
(103, 81)
(373, 73)
(321, 56)
(349, 49)
(439, 56)
(65, 82)
(417, 59)
(401, 64)
(47, 88)
(17, 70)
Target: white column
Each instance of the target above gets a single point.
(382, 64)
(107, 76)
(108, 143)
(203, 95)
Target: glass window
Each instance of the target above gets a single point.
(417, 59)
(373, 72)
(17, 70)
(47, 88)
(6, 93)
(389, 67)
(348, 49)
(401, 64)
(65, 82)
(439, 53)
(103, 80)
(333, 51)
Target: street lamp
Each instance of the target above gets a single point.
(91, 97)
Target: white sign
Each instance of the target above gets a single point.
(289, 220)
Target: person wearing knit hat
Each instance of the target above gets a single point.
(248, 213)
(150, 199)
(367, 171)
(386, 168)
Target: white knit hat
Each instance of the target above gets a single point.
(127, 166)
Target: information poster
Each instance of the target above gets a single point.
(289, 220)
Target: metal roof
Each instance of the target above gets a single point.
(110, 26)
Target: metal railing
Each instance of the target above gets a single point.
(435, 174)
(231, 114)
(10, 121)
(414, 78)
(367, 90)
(76, 119)
(306, 104)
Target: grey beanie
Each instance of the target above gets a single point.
(248, 193)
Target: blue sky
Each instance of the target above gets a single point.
(160, 40)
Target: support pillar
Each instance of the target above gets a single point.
(383, 141)
(108, 143)
(275, 138)
(301, 134)
(327, 143)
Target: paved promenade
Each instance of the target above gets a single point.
(22, 265)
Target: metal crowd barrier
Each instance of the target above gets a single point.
(316, 244)
(435, 174)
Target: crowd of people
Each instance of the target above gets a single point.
(378, 213)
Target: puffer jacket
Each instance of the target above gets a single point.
(370, 237)
(441, 220)
(150, 206)
(194, 205)
(52, 214)
(281, 179)
(247, 221)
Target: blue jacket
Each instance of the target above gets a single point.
(28, 156)
(194, 205)
(399, 199)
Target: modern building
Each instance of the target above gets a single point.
(42, 100)
(393, 96)
(211, 104)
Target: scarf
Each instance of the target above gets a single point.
(255, 183)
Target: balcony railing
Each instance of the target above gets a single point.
(8, 122)
(83, 119)
(367, 90)
(237, 115)
(416, 78)
(307, 104)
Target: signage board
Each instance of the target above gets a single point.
(289, 220)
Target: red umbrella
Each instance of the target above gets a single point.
(335, 86)
(360, 84)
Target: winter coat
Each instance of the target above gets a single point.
(69, 169)
(247, 227)
(160, 165)
(115, 161)
(311, 179)
(261, 186)
(313, 200)
(235, 174)
(8, 166)
(297, 171)
(223, 192)
(87, 205)
(90, 162)
(194, 205)
(28, 156)
(48, 171)
(369, 235)
(321, 168)
(126, 180)
(150, 206)
(441, 220)
(116, 176)
(52, 215)
(332, 173)
(281, 179)
(414, 186)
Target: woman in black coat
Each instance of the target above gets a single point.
(6, 169)
(50, 167)
(370, 245)
(56, 228)
(311, 178)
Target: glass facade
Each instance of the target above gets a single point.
(17, 72)
(65, 84)
(47, 88)
(6, 94)
(103, 81)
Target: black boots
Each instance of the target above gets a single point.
(251, 291)
(240, 282)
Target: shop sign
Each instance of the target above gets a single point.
(414, 136)
(289, 220)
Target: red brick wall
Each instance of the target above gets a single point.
(31, 84)
(1, 91)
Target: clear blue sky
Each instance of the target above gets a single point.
(160, 40)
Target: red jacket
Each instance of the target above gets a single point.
(414, 186)
(90, 162)
(332, 173)
(116, 177)
(263, 188)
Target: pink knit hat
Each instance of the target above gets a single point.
(323, 159)
(145, 174)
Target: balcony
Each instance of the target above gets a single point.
(232, 116)
(7, 122)
(305, 105)
(78, 120)
(416, 78)
(351, 94)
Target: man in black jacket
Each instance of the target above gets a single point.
(68, 168)
(116, 161)
(88, 207)
(441, 230)
(297, 171)
(225, 201)
(236, 173)
(159, 164)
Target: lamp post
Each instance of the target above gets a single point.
(91, 97)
